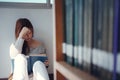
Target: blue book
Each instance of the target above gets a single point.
(118, 48)
(116, 38)
(31, 59)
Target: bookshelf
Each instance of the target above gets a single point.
(62, 70)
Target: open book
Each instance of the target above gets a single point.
(31, 59)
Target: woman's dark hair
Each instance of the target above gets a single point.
(20, 23)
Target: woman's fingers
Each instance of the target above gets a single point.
(46, 63)
(24, 32)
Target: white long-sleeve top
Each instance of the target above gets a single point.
(16, 48)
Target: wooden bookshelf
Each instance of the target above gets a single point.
(64, 71)
(72, 73)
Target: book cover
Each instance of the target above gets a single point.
(31, 59)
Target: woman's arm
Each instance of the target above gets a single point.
(16, 47)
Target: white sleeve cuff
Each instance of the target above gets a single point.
(19, 43)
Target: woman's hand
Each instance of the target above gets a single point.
(46, 63)
(24, 32)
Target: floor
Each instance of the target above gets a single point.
(50, 75)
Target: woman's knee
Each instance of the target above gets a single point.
(20, 57)
(39, 71)
(38, 64)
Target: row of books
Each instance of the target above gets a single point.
(91, 37)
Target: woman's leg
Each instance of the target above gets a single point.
(20, 69)
(39, 71)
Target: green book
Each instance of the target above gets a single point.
(75, 31)
(81, 32)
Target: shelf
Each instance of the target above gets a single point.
(72, 73)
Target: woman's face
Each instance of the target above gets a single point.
(29, 35)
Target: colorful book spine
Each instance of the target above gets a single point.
(91, 40)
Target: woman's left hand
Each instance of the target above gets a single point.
(46, 63)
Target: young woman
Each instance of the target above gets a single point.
(24, 45)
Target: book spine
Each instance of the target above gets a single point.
(99, 37)
(64, 33)
(110, 40)
(115, 35)
(81, 32)
(118, 50)
(118, 55)
(29, 67)
(94, 38)
(103, 40)
(87, 34)
(75, 32)
(69, 31)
